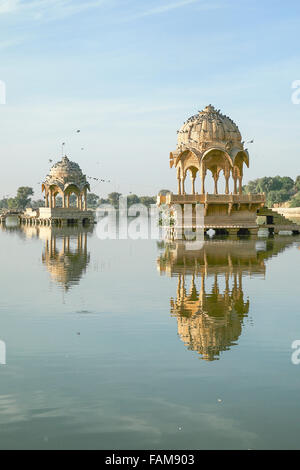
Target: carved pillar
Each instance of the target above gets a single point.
(182, 185)
(179, 185)
(68, 201)
(227, 184)
(235, 185)
(193, 183)
(216, 177)
(203, 173)
(240, 184)
(51, 199)
(63, 200)
(234, 176)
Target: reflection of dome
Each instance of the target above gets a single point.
(210, 321)
(65, 173)
(207, 126)
(66, 264)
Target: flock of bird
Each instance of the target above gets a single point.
(99, 180)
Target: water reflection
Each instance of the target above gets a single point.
(65, 253)
(65, 256)
(210, 305)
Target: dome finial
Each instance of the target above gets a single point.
(209, 109)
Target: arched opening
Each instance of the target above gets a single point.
(237, 171)
(188, 164)
(219, 163)
(190, 185)
(72, 196)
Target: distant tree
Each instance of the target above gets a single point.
(276, 197)
(295, 202)
(132, 199)
(148, 200)
(38, 203)
(3, 203)
(12, 203)
(103, 201)
(113, 199)
(23, 199)
(92, 200)
(278, 189)
(73, 201)
(297, 183)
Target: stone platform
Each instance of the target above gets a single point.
(57, 216)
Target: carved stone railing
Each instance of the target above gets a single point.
(211, 198)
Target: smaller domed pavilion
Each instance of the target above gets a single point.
(66, 178)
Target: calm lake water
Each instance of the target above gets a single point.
(146, 345)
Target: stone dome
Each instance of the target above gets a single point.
(66, 172)
(209, 127)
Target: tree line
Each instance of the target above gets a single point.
(278, 189)
(24, 199)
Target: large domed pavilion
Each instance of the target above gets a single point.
(209, 141)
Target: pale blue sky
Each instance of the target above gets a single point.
(128, 73)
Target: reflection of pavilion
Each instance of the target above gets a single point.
(65, 253)
(210, 321)
(210, 305)
(65, 256)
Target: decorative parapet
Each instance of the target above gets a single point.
(211, 199)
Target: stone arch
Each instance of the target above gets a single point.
(240, 158)
(70, 189)
(216, 160)
(187, 161)
(192, 170)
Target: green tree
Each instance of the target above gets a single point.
(278, 189)
(148, 200)
(38, 203)
(113, 199)
(132, 199)
(12, 203)
(23, 198)
(3, 203)
(92, 200)
(295, 202)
